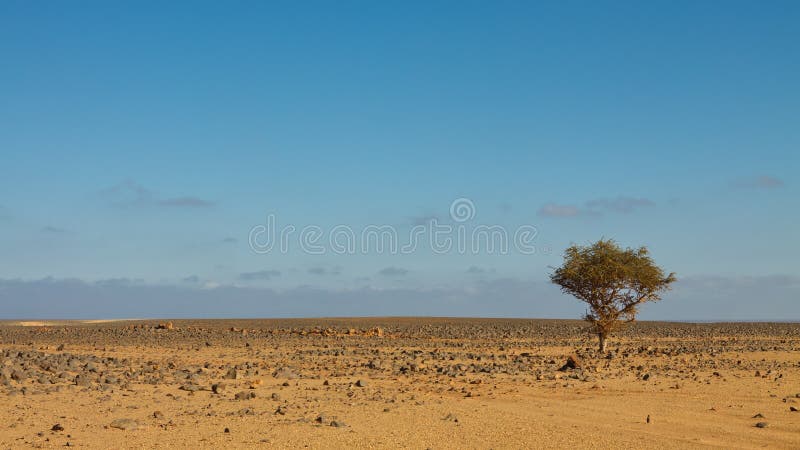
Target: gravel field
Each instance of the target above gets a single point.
(397, 382)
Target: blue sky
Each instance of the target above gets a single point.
(141, 143)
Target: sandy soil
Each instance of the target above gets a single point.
(397, 383)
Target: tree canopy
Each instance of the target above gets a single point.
(613, 281)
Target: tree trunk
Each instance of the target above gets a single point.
(603, 341)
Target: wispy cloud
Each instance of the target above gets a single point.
(259, 275)
(129, 193)
(320, 270)
(230, 240)
(556, 210)
(393, 272)
(54, 230)
(476, 270)
(186, 202)
(619, 204)
(120, 282)
(424, 219)
(758, 182)
(596, 207)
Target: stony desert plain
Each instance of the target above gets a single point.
(397, 383)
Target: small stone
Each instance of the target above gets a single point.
(158, 415)
(361, 383)
(232, 374)
(282, 410)
(573, 362)
(82, 380)
(245, 395)
(125, 424)
(57, 427)
(758, 416)
(227, 430)
(793, 409)
(219, 388)
(338, 424)
(762, 425)
(285, 372)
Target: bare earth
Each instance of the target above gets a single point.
(396, 383)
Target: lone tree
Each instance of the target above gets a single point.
(613, 281)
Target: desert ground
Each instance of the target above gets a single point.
(397, 383)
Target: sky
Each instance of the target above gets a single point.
(151, 151)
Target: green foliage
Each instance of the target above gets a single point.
(613, 281)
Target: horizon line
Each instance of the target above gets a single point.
(89, 321)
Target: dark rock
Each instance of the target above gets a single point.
(762, 425)
(245, 395)
(82, 380)
(573, 362)
(57, 427)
